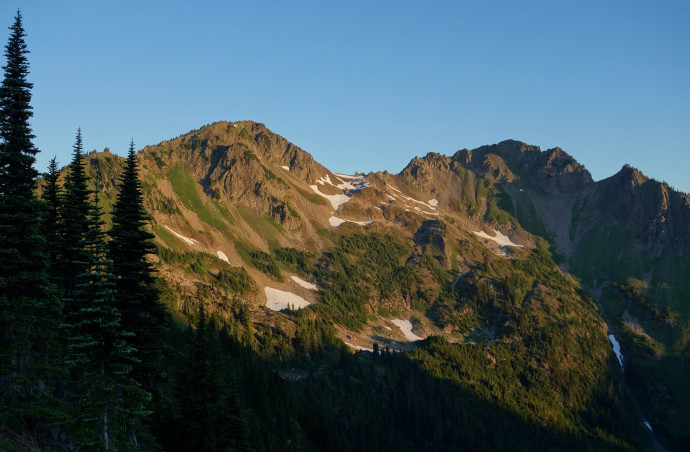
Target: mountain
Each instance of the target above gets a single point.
(627, 239)
(453, 250)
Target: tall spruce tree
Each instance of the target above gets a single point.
(108, 405)
(29, 307)
(51, 213)
(135, 283)
(51, 198)
(73, 221)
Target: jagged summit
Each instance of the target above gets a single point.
(630, 175)
(553, 170)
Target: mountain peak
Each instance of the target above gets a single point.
(510, 160)
(630, 175)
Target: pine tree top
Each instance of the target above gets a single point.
(129, 216)
(76, 180)
(16, 147)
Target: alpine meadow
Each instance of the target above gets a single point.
(222, 290)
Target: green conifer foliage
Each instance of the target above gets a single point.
(51, 213)
(29, 309)
(135, 285)
(73, 220)
(108, 404)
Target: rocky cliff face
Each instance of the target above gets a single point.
(553, 195)
(553, 171)
(630, 215)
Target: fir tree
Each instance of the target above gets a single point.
(29, 308)
(73, 220)
(135, 284)
(108, 403)
(51, 213)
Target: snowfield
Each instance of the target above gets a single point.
(418, 202)
(500, 238)
(222, 256)
(181, 237)
(277, 300)
(353, 184)
(405, 199)
(616, 349)
(357, 347)
(335, 221)
(406, 328)
(336, 200)
(303, 283)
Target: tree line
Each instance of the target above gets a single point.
(79, 310)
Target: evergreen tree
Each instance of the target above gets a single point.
(73, 220)
(135, 284)
(29, 308)
(108, 404)
(51, 198)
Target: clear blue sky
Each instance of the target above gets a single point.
(365, 85)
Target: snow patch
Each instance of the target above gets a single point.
(353, 184)
(406, 328)
(222, 256)
(500, 238)
(181, 237)
(430, 205)
(427, 204)
(277, 300)
(616, 349)
(360, 348)
(303, 283)
(336, 200)
(335, 221)
(646, 424)
(286, 168)
(345, 176)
